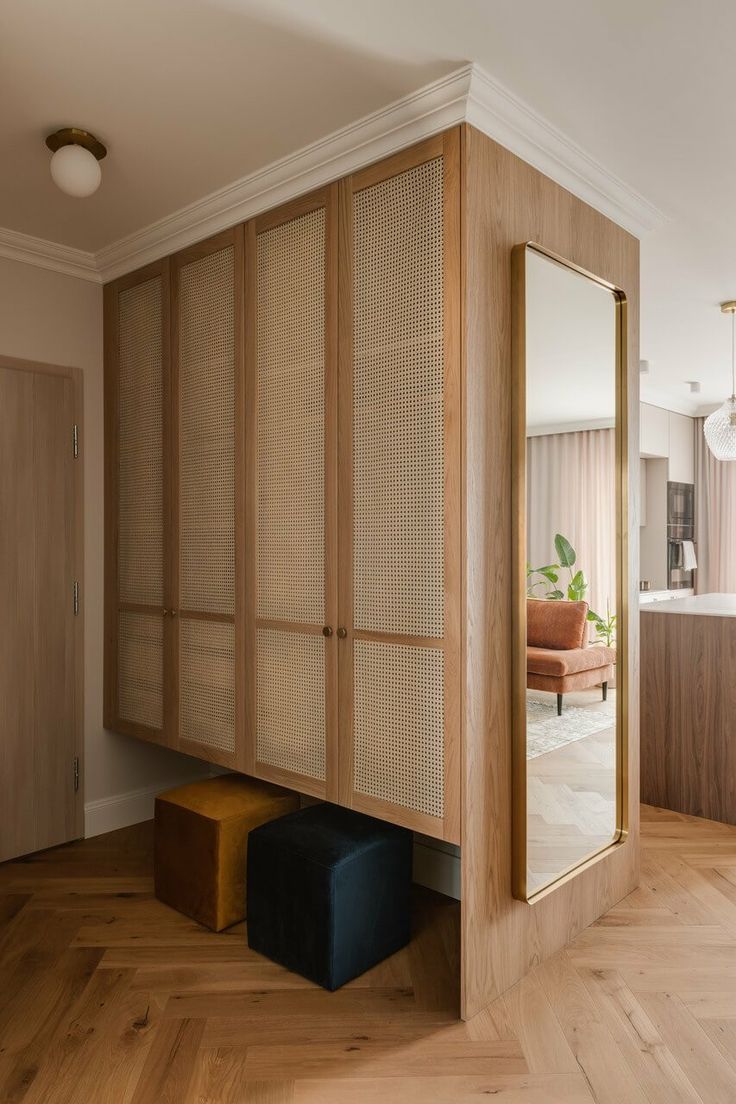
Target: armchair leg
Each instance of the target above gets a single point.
(559, 705)
(605, 691)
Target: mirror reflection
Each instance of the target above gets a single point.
(571, 573)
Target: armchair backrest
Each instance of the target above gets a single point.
(558, 625)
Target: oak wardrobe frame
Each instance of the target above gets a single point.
(382, 648)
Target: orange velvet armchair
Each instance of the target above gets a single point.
(558, 657)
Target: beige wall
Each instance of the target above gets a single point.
(49, 317)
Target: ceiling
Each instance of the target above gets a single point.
(190, 95)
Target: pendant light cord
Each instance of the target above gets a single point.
(733, 355)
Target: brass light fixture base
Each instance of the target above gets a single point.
(729, 307)
(73, 136)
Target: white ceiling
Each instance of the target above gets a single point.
(192, 94)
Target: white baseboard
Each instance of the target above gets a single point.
(437, 867)
(107, 814)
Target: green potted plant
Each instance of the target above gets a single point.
(605, 627)
(576, 583)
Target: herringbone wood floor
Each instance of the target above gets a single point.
(108, 996)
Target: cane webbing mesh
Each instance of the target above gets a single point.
(398, 725)
(398, 405)
(207, 683)
(290, 693)
(140, 455)
(141, 669)
(207, 434)
(291, 418)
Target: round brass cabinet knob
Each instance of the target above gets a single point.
(342, 633)
(327, 631)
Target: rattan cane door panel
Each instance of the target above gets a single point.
(398, 407)
(399, 725)
(140, 457)
(290, 692)
(400, 489)
(293, 376)
(290, 350)
(207, 686)
(141, 669)
(206, 389)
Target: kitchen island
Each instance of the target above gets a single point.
(688, 705)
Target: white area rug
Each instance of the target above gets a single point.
(545, 731)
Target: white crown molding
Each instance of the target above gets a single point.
(434, 108)
(512, 123)
(50, 255)
(467, 95)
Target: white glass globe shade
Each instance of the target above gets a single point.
(76, 171)
(720, 431)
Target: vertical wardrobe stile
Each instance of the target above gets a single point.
(291, 495)
(400, 489)
(205, 610)
(137, 493)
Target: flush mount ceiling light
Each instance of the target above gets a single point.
(75, 166)
(720, 427)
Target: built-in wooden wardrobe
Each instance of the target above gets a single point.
(283, 590)
(308, 510)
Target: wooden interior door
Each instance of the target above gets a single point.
(206, 688)
(40, 645)
(137, 547)
(291, 349)
(400, 489)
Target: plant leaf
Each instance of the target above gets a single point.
(565, 551)
(577, 587)
(555, 595)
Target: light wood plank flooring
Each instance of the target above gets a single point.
(108, 997)
(571, 793)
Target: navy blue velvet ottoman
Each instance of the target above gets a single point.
(328, 892)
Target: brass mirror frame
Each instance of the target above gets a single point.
(519, 559)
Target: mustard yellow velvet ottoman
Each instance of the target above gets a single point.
(201, 844)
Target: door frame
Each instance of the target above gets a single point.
(229, 238)
(323, 198)
(76, 376)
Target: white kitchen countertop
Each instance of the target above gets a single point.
(646, 596)
(710, 605)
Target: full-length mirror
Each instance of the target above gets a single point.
(569, 478)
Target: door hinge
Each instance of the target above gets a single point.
(76, 599)
(75, 440)
(76, 774)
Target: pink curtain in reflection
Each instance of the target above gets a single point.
(571, 489)
(715, 519)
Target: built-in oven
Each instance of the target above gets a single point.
(680, 509)
(681, 560)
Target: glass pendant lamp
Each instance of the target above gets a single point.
(720, 426)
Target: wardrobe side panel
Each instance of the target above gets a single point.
(505, 202)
